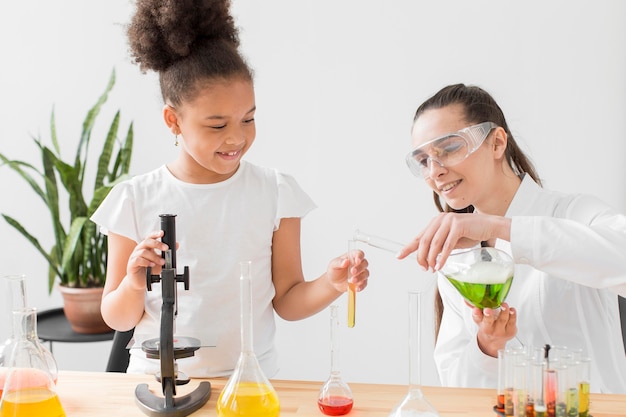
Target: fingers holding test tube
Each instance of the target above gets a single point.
(344, 270)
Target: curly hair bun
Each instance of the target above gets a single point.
(164, 31)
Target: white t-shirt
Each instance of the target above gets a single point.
(570, 264)
(217, 227)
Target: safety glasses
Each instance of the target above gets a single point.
(448, 150)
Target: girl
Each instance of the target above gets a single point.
(228, 210)
(488, 191)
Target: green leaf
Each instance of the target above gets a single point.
(51, 261)
(71, 243)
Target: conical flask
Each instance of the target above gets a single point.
(29, 389)
(414, 403)
(248, 392)
(335, 397)
(13, 289)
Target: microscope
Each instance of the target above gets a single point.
(164, 348)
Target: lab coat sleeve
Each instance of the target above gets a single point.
(585, 243)
(459, 360)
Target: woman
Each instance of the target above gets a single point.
(489, 193)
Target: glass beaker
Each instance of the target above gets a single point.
(13, 288)
(335, 397)
(248, 392)
(29, 389)
(483, 276)
(414, 403)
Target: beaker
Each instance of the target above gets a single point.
(335, 397)
(13, 288)
(29, 389)
(248, 392)
(414, 403)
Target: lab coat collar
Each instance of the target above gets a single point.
(525, 197)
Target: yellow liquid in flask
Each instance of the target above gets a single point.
(248, 399)
(31, 402)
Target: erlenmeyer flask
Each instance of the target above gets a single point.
(248, 392)
(414, 403)
(29, 389)
(335, 397)
(13, 288)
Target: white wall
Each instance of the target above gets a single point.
(337, 84)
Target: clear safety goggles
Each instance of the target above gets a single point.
(448, 150)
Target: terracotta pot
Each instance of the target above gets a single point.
(82, 309)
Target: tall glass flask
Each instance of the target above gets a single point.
(29, 389)
(248, 392)
(414, 403)
(13, 292)
(335, 397)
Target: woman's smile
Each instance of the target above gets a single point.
(449, 186)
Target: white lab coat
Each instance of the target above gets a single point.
(570, 265)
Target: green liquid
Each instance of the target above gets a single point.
(483, 295)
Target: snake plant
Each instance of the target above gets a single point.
(79, 253)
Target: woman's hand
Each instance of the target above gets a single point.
(337, 272)
(494, 330)
(448, 231)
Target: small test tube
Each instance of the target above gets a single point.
(378, 242)
(584, 374)
(501, 380)
(351, 290)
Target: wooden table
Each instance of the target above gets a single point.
(113, 395)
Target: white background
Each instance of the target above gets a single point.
(337, 84)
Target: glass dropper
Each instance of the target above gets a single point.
(378, 242)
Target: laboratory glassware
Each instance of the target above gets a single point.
(351, 289)
(483, 276)
(29, 388)
(248, 392)
(335, 397)
(414, 403)
(378, 242)
(13, 289)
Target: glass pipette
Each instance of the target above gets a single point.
(378, 242)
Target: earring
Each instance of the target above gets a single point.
(176, 143)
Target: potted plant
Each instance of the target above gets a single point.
(77, 259)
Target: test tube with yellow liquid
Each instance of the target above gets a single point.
(351, 285)
(248, 392)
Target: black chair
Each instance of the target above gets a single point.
(622, 315)
(120, 353)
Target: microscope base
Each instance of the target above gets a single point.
(170, 406)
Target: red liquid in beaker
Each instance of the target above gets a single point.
(335, 406)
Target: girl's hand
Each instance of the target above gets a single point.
(337, 272)
(146, 254)
(494, 331)
(449, 231)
